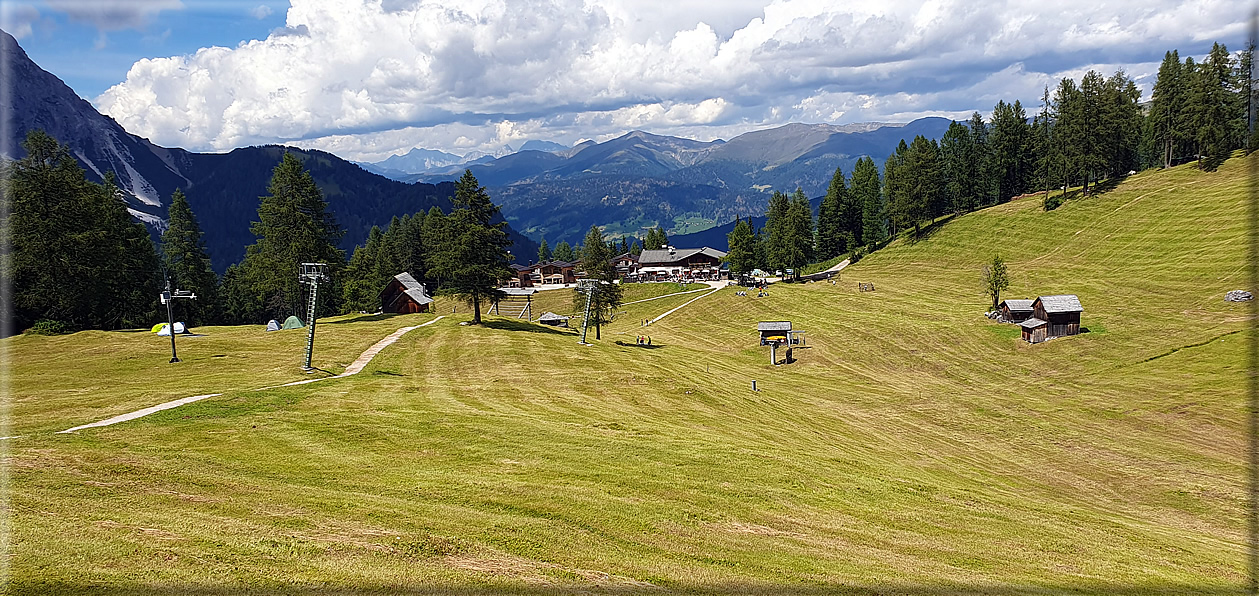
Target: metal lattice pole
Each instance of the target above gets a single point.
(585, 322)
(170, 319)
(310, 321)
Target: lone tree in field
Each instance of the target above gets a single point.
(596, 261)
(996, 279)
(473, 259)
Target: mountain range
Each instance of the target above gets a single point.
(625, 185)
(223, 189)
(640, 180)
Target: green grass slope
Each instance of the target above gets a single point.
(915, 447)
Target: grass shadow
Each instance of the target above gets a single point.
(361, 319)
(653, 346)
(929, 230)
(510, 325)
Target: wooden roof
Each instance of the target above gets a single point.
(1033, 323)
(774, 326)
(664, 255)
(1060, 303)
(1019, 305)
(412, 288)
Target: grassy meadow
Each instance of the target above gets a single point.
(914, 447)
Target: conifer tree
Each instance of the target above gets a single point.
(597, 263)
(1167, 108)
(831, 240)
(984, 176)
(742, 255)
(564, 252)
(956, 170)
(294, 226)
(363, 283)
(544, 252)
(896, 188)
(472, 259)
(777, 230)
(866, 190)
(77, 256)
(188, 265)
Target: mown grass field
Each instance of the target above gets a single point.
(915, 447)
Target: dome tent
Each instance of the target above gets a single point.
(179, 328)
(273, 325)
(293, 323)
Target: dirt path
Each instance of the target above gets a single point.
(354, 368)
(716, 287)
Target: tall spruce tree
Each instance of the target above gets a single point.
(956, 168)
(596, 261)
(294, 226)
(776, 230)
(564, 252)
(544, 252)
(77, 256)
(922, 178)
(866, 189)
(984, 176)
(187, 263)
(1167, 108)
(831, 240)
(896, 188)
(742, 255)
(1010, 139)
(473, 259)
(1210, 102)
(360, 290)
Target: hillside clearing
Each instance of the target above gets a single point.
(915, 447)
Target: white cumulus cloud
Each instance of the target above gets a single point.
(367, 78)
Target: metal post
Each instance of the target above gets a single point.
(310, 320)
(169, 297)
(585, 322)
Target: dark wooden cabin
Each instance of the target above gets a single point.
(1016, 311)
(1034, 330)
(404, 295)
(1061, 312)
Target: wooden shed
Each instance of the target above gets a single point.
(1016, 311)
(1061, 312)
(1034, 330)
(404, 295)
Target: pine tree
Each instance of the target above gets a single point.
(1210, 102)
(921, 173)
(777, 231)
(896, 188)
(742, 255)
(597, 263)
(656, 239)
(433, 233)
(473, 259)
(956, 149)
(1010, 139)
(831, 240)
(544, 252)
(362, 285)
(188, 265)
(564, 252)
(866, 190)
(77, 256)
(1167, 107)
(983, 173)
(796, 244)
(294, 226)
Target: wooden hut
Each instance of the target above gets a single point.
(1016, 311)
(1061, 312)
(404, 295)
(1034, 330)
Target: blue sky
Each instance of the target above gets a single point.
(369, 78)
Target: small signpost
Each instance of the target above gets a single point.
(168, 297)
(312, 274)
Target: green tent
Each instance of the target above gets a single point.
(157, 327)
(293, 323)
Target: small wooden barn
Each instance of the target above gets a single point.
(404, 295)
(1061, 312)
(1034, 330)
(1016, 311)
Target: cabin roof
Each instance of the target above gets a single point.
(1061, 303)
(550, 316)
(774, 326)
(664, 255)
(1020, 305)
(1033, 323)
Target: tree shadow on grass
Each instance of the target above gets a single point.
(929, 230)
(361, 319)
(653, 346)
(510, 325)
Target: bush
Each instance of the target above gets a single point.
(856, 255)
(49, 327)
(1052, 203)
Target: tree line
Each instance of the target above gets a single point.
(1085, 132)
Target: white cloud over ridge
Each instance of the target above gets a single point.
(366, 78)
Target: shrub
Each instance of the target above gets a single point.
(1052, 203)
(856, 255)
(49, 327)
